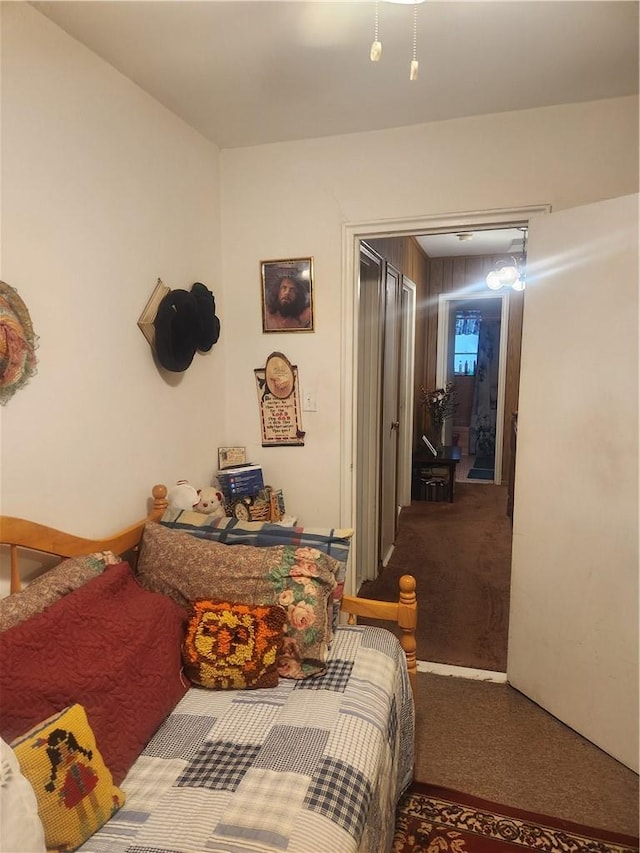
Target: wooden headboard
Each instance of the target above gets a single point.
(21, 535)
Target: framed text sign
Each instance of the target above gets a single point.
(279, 402)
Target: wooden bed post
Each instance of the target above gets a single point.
(160, 502)
(408, 620)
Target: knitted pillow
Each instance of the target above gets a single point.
(73, 787)
(233, 646)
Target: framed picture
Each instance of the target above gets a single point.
(279, 402)
(287, 295)
(229, 457)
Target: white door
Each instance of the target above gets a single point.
(573, 634)
(390, 417)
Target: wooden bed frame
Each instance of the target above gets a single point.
(19, 534)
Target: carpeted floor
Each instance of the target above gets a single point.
(438, 820)
(493, 742)
(460, 555)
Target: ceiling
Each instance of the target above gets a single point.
(497, 241)
(247, 73)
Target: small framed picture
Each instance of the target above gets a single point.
(287, 295)
(228, 457)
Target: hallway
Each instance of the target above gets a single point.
(460, 555)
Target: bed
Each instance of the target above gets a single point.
(317, 761)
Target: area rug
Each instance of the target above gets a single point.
(481, 474)
(483, 468)
(437, 820)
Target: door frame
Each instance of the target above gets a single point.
(442, 350)
(352, 234)
(407, 401)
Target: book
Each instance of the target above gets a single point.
(240, 481)
(429, 445)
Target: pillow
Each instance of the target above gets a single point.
(300, 579)
(111, 646)
(331, 541)
(20, 828)
(52, 585)
(233, 646)
(73, 787)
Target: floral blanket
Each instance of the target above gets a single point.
(317, 764)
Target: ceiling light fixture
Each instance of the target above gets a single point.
(510, 271)
(375, 51)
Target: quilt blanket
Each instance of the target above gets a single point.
(312, 765)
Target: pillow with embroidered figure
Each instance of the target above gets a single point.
(73, 786)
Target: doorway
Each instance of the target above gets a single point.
(472, 356)
(360, 492)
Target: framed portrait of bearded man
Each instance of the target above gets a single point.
(287, 295)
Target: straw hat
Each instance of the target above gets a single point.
(17, 343)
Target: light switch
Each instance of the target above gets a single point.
(309, 401)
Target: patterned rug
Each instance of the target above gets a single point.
(437, 820)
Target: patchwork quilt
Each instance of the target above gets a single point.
(311, 765)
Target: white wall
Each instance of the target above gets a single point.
(103, 191)
(292, 199)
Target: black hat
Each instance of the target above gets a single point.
(177, 326)
(209, 324)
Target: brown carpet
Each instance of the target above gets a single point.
(460, 555)
(438, 820)
(493, 742)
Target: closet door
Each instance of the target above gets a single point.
(390, 415)
(370, 329)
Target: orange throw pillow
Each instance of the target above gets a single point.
(233, 646)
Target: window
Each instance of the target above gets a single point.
(465, 355)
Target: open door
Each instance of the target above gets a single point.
(573, 635)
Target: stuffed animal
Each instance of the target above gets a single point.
(182, 496)
(211, 502)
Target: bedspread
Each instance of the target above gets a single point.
(313, 765)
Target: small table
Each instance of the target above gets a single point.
(447, 457)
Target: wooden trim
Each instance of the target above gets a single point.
(404, 612)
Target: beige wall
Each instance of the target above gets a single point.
(103, 191)
(292, 199)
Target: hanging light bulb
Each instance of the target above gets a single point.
(376, 46)
(510, 271)
(413, 68)
(493, 280)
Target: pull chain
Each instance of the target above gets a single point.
(376, 47)
(413, 68)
